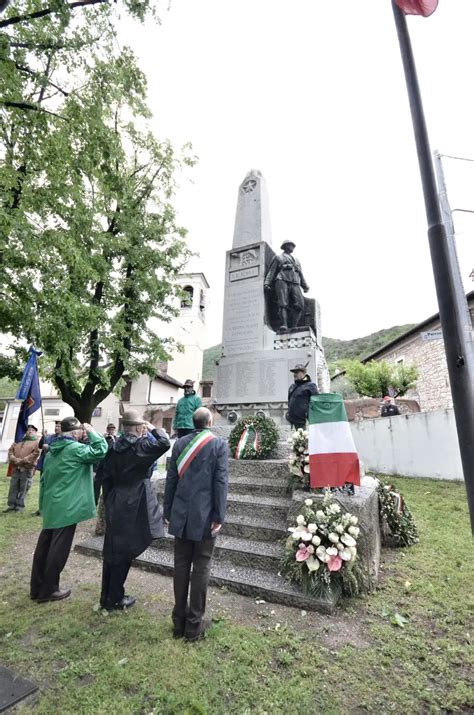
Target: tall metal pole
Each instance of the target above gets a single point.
(457, 343)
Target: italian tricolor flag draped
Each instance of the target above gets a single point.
(333, 459)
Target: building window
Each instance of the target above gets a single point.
(97, 412)
(126, 390)
(187, 299)
(206, 390)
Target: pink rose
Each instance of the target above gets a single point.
(334, 563)
(303, 553)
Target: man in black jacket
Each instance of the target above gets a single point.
(132, 514)
(194, 506)
(389, 408)
(299, 395)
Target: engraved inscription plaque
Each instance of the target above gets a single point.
(244, 273)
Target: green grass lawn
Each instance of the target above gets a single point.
(126, 663)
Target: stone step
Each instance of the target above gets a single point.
(247, 581)
(233, 551)
(276, 486)
(257, 468)
(255, 528)
(258, 506)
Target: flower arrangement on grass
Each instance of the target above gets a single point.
(321, 551)
(299, 456)
(395, 516)
(253, 437)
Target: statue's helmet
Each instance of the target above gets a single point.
(287, 243)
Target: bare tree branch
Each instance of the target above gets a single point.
(46, 11)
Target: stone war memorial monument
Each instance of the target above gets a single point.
(269, 324)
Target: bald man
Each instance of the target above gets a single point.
(194, 508)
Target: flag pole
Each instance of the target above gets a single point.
(457, 335)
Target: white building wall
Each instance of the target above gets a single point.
(424, 444)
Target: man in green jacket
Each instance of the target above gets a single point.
(66, 498)
(185, 408)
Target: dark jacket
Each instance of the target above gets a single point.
(132, 514)
(199, 497)
(389, 411)
(299, 395)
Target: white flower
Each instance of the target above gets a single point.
(353, 551)
(306, 536)
(354, 520)
(334, 509)
(300, 520)
(310, 549)
(312, 528)
(333, 537)
(316, 540)
(348, 540)
(354, 531)
(339, 546)
(340, 529)
(332, 551)
(320, 515)
(312, 563)
(345, 555)
(322, 555)
(308, 502)
(296, 535)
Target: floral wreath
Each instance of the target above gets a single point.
(299, 456)
(321, 551)
(395, 516)
(253, 437)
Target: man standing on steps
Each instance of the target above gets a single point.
(194, 507)
(185, 408)
(299, 395)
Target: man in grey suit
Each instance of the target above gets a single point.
(194, 507)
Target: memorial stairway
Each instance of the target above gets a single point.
(249, 548)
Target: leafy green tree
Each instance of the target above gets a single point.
(89, 243)
(379, 378)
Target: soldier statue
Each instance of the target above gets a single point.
(286, 278)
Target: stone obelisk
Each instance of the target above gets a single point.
(254, 370)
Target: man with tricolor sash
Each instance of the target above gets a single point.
(194, 508)
(333, 459)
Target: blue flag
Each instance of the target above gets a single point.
(29, 393)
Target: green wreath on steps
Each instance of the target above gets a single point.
(253, 437)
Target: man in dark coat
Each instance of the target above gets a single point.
(299, 395)
(389, 408)
(194, 506)
(132, 514)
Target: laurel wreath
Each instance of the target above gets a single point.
(395, 516)
(267, 436)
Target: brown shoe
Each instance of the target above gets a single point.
(56, 596)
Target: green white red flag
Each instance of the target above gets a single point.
(333, 459)
(417, 7)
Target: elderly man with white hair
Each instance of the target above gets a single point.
(66, 498)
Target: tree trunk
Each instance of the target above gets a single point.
(83, 411)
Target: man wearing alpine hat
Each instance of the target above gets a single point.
(66, 498)
(185, 408)
(299, 395)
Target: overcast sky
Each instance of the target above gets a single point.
(312, 93)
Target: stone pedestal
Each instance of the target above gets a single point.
(364, 504)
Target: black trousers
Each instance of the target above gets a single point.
(113, 580)
(50, 557)
(196, 554)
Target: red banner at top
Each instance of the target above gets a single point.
(417, 7)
